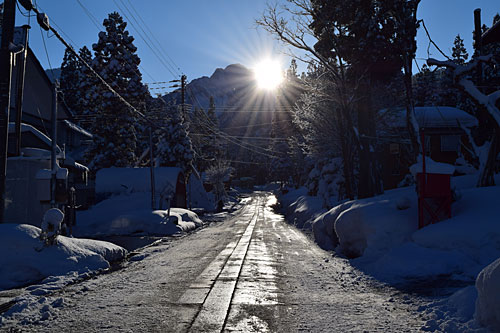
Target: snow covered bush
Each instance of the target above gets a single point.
(488, 288)
(51, 225)
(326, 181)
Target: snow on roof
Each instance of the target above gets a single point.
(119, 180)
(25, 128)
(436, 117)
(431, 166)
(77, 128)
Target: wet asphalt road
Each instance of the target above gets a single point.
(250, 273)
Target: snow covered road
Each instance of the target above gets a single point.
(250, 273)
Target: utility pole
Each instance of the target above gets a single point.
(478, 45)
(5, 85)
(183, 92)
(152, 169)
(21, 70)
(183, 95)
(53, 154)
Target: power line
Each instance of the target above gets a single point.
(99, 77)
(89, 15)
(154, 37)
(143, 35)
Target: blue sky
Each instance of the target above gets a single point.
(197, 36)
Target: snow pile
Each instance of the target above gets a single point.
(25, 258)
(301, 209)
(371, 227)
(488, 288)
(452, 314)
(127, 214)
(324, 227)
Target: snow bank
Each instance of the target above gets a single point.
(452, 314)
(301, 209)
(487, 304)
(26, 260)
(127, 214)
(373, 226)
(324, 227)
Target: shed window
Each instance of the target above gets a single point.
(450, 143)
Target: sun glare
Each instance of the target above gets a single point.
(268, 74)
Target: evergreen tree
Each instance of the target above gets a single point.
(215, 149)
(425, 88)
(174, 147)
(459, 53)
(70, 80)
(199, 137)
(205, 137)
(115, 139)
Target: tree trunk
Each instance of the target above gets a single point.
(411, 121)
(365, 186)
(346, 158)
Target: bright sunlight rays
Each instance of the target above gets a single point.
(268, 74)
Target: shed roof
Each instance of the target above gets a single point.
(435, 117)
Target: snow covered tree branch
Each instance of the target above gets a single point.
(488, 112)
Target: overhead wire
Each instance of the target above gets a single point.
(154, 37)
(250, 147)
(143, 35)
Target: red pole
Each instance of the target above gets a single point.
(421, 196)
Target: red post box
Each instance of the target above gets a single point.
(433, 189)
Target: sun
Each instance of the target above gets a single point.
(268, 74)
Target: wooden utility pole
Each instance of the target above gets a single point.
(478, 44)
(53, 153)
(20, 88)
(5, 85)
(183, 95)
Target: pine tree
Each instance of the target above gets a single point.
(86, 103)
(425, 88)
(459, 53)
(115, 140)
(215, 150)
(199, 136)
(204, 134)
(174, 147)
(70, 80)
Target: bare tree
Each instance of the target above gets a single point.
(487, 113)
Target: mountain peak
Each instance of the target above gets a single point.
(233, 69)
